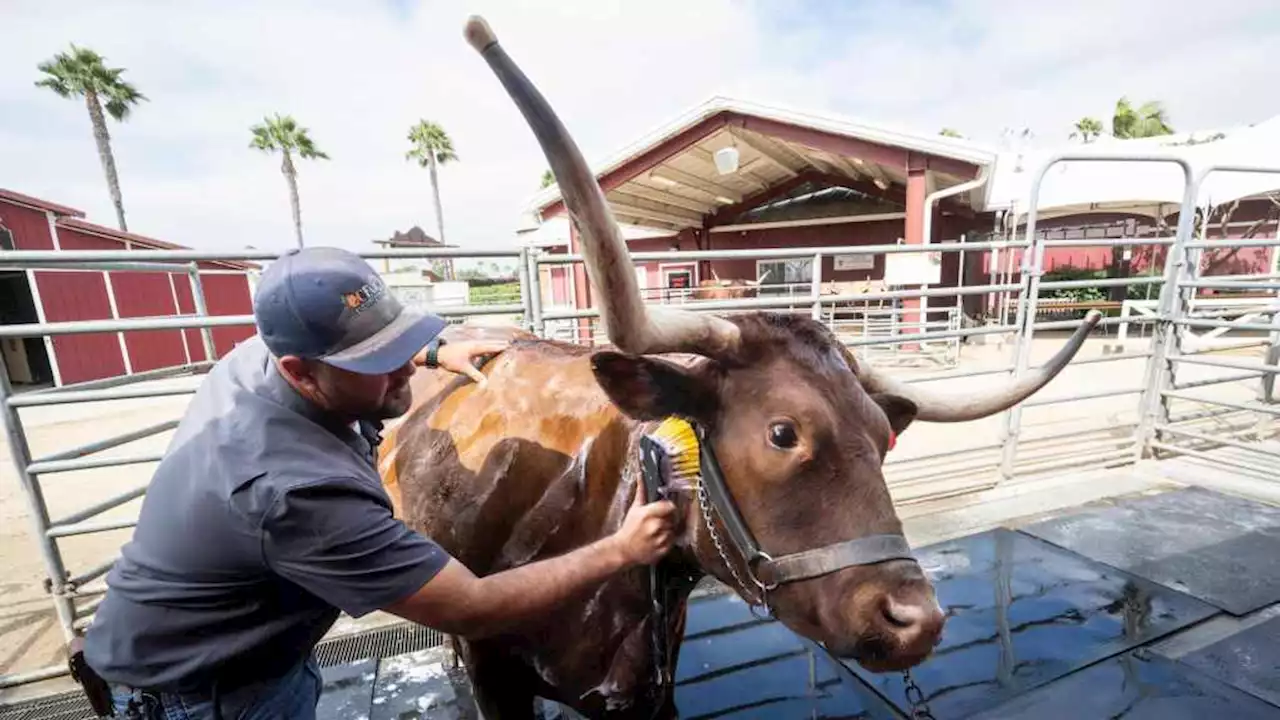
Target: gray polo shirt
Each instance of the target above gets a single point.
(261, 523)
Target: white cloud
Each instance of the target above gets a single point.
(358, 74)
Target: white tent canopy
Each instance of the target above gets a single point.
(1076, 186)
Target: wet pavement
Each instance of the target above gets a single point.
(1218, 548)
(1249, 660)
(1035, 630)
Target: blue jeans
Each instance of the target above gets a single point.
(292, 697)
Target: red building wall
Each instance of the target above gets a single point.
(227, 295)
(1146, 258)
(69, 295)
(140, 294)
(878, 232)
(82, 295)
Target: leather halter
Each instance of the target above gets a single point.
(769, 572)
(764, 570)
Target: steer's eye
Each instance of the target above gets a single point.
(783, 436)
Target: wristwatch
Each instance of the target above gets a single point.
(433, 350)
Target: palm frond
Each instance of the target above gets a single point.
(283, 133)
(56, 84)
(82, 71)
(430, 140)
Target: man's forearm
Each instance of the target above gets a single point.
(508, 599)
(459, 603)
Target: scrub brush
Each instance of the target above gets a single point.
(670, 452)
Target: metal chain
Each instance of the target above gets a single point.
(704, 503)
(915, 698)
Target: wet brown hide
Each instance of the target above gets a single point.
(536, 464)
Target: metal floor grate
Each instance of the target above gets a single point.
(65, 706)
(402, 637)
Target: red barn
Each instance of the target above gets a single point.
(733, 175)
(30, 296)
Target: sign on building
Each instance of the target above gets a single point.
(858, 261)
(914, 268)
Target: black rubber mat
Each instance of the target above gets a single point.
(348, 690)
(1218, 548)
(1248, 660)
(736, 666)
(1022, 614)
(1134, 686)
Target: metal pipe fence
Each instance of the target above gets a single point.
(1014, 453)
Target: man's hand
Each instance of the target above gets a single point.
(648, 531)
(460, 357)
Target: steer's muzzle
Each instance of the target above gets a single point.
(889, 620)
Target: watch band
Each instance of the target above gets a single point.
(433, 352)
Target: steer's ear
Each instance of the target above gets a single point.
(651, 389)
(900, 411)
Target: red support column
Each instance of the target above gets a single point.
(581, 288)
(917, 169)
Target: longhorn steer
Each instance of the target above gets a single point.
(731, 289)
(543, 458)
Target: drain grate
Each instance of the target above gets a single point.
(380, 642)
(64, 706)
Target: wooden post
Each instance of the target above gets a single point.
(917, 176)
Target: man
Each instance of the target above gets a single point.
(267, 516)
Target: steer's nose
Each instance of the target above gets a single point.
(888, 621)
(916, 621)
(905, 624)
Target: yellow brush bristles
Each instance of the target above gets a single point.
(681, 445)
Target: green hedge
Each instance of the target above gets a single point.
(1093, 294)
(495, 294)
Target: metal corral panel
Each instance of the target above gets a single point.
(148, 294)
(68, 296)
(227, 295)
(81, 295)
(182, 288)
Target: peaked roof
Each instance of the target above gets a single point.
(414, 237)
(143, 241)
(35, 202)
(667, 178)
(73, 219)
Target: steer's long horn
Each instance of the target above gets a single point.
(629, 324)
(939, 407)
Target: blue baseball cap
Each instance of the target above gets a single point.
(330, 305)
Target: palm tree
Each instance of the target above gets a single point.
(432, 147)
(285, 135)
(1087, 129)
(1149, 120)
(82, 73)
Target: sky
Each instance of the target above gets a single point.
(358, 73)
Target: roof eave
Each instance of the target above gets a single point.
(952, 148)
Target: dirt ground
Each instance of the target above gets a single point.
(30, 637)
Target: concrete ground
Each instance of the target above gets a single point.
(939, 496)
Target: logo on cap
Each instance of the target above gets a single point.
(359, 300)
